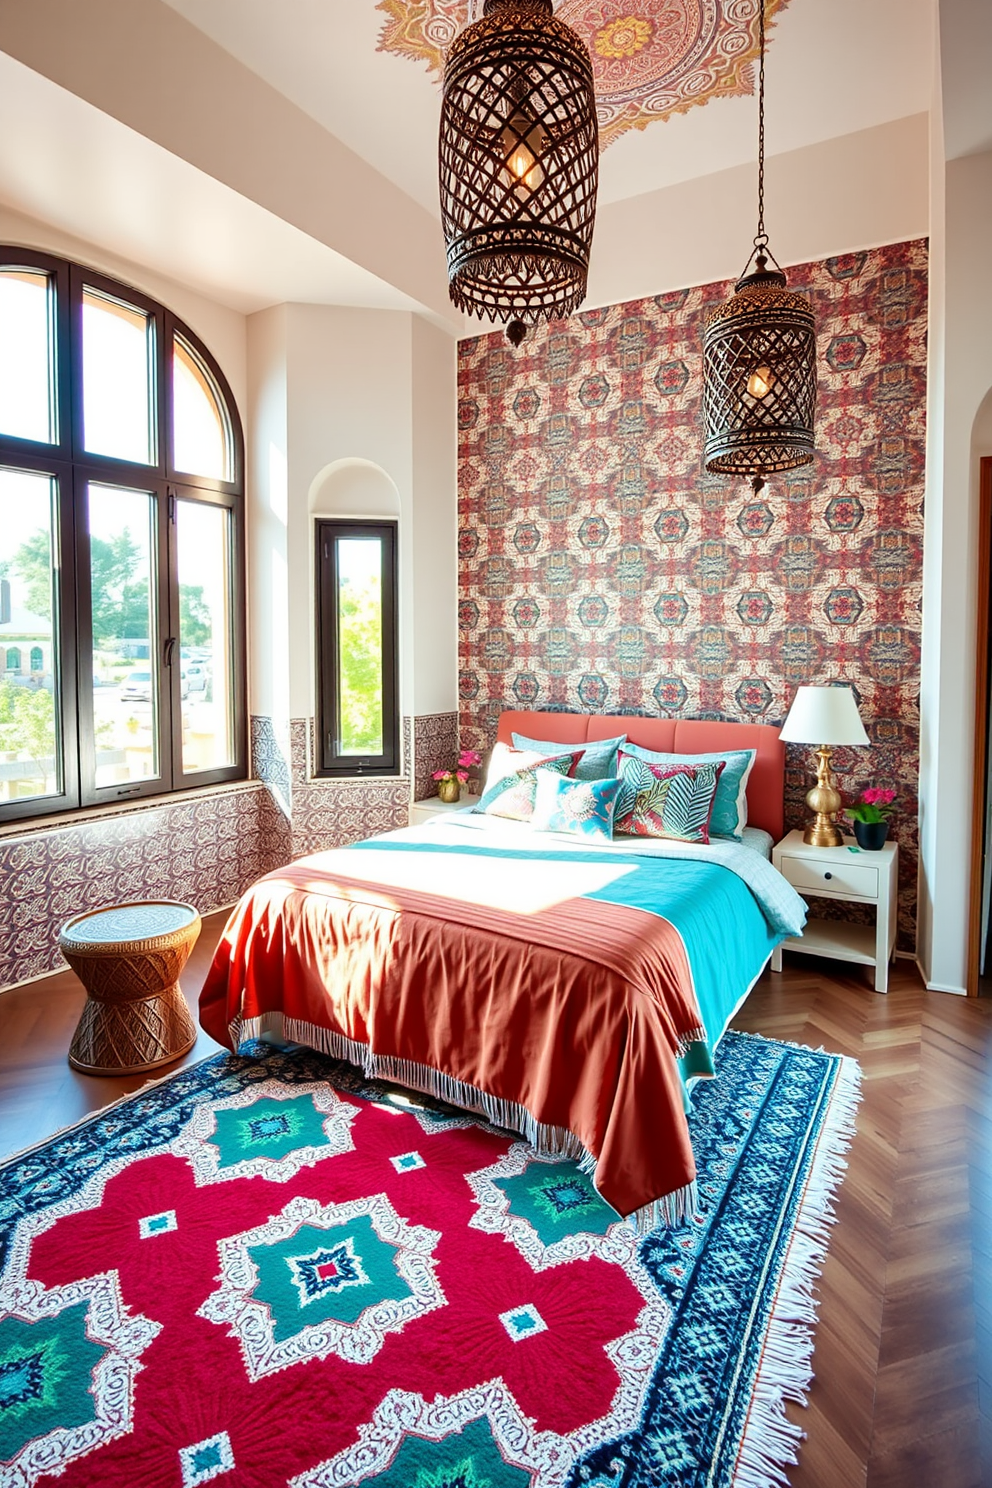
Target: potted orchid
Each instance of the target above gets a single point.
(870, 815)
(450, 782)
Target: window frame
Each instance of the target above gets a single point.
(329, 762)
(72, 468)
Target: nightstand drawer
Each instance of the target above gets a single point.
(833, 878)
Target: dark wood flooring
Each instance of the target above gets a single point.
(902, 1393)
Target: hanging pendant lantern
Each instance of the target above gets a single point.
(519, 165)
(759, 359)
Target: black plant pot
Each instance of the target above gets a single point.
(871, 835)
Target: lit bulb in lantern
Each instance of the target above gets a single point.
(761, 382)
(523, 141)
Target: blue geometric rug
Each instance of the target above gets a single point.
(269, 1270)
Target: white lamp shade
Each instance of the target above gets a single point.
(824, 715)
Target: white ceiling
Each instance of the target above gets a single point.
(84, 172)
(244, 186)
(834, 67)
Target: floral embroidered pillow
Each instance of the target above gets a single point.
(584, 808)
(511, 784)
(665, 801)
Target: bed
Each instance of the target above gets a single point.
(566, 992)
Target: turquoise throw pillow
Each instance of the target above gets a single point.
(599, 756)
(582, 807)
(730, 807)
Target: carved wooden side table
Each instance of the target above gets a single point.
(128, 957)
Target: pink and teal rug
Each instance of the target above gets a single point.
(270, 1271)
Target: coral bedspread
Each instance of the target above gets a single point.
(517, 979)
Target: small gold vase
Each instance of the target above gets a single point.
(449, 791)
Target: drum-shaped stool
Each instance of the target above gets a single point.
(128, 957)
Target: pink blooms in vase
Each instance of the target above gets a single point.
(450, 781)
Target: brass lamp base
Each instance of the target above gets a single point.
(824, 800)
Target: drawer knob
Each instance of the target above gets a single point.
(828, 875)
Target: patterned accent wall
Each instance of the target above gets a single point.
(602, 570)
(435, 747)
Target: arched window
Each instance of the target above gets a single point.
(13, 659)
(121, 541)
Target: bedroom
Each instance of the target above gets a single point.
(318, 286)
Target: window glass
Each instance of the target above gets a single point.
(125, 642)
(205, 635)
(27, 404)
(118, 381)
(359, 660)
(201, 437)
(30, 757)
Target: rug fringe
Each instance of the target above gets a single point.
(770, 1441)
(551, 1141)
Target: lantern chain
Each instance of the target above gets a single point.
(761, 240)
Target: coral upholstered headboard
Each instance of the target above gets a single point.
(765, 786)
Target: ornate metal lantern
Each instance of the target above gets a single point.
(759, 359)
(519, 165)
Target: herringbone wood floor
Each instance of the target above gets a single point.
(902, 1392)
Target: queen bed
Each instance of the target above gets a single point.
(567, 989)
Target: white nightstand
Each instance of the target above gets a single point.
(422, 811)
(853, 875)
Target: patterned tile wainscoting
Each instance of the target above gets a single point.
(602, 570)
(203, 850)
(330, 813)
(435, 747)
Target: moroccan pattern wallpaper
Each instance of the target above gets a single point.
(602, 570)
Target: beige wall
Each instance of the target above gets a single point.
(434, 533)
(268, 519)
(961, 372)
(365, 387)
(859, 191)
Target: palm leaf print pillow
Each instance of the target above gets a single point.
(665, 801)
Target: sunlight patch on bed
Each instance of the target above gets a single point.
(515, 885)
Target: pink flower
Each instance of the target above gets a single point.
(440, 774)
(468, 758)
(876, 796)
(461, 775)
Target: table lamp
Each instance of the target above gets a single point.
(824, 716)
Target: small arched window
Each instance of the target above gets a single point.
(121, 541)
(13, 659)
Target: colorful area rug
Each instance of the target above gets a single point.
(268, 1271)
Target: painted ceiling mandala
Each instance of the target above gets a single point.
(651, 58)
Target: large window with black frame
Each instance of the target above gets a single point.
(122, 650)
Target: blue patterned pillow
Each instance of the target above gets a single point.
(665, 801)
(599, 756)
(730, 806)
(511, 784)
(582, 807)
